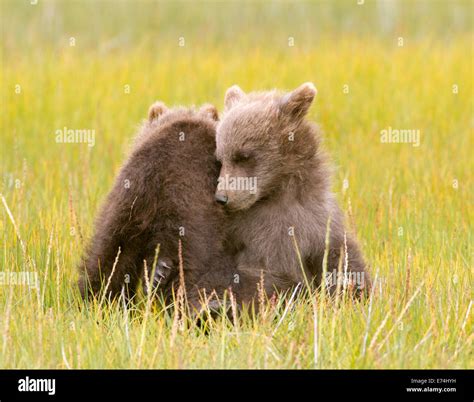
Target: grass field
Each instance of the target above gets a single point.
(411, 206)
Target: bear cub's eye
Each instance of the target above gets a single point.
(241, 157)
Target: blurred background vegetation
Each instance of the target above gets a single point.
(107, 25)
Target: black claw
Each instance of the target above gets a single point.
(162, 276)
(163, 264)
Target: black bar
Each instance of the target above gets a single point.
(238, 385)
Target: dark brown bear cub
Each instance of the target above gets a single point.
(164, 193)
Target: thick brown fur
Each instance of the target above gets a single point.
(164, 193)
(265, 136)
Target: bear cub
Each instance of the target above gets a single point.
(278, 225)
(163, 193)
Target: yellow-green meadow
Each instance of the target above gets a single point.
(395, 103)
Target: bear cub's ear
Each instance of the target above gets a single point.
(232, 96)
(209, 111)
(156, 110)
(296, 103)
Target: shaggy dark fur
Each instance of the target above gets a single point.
(265, 136)
(163, 193)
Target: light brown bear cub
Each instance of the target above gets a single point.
(275, 184)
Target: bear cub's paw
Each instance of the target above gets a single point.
(162, 274)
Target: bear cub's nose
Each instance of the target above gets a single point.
(221, 199)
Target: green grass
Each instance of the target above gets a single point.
(411, 207)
